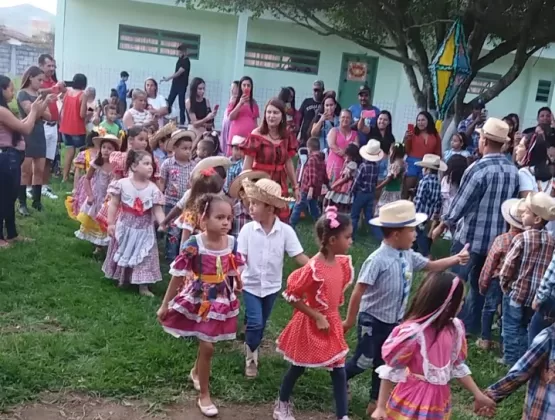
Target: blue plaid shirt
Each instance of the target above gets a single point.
(463, 126)
(235, 169)
(366, 178)
(428, 196)
(535, 367)
(485, 185)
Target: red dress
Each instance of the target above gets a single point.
(322, 287)
(271, 158)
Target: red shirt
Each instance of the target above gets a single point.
(52, 106)
(314, 175)
(72, 124)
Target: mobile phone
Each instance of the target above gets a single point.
(410, 128)
(368, 113)
(69, 83)
(43, 94)
(216, 107)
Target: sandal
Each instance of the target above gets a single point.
(196, 383)
(4, 244)
(210, 411)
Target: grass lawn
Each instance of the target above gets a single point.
(63, 326)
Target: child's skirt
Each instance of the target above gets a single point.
(74, 202)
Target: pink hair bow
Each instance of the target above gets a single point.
(331, 215)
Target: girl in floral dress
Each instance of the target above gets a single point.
(340, 192)
(314, 337)
(424, 353)
(96, 184)
(135, 204)
(200, 301)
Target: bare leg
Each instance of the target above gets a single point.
(47, 172)
(38, 171)
(68, 160)
(204, 361)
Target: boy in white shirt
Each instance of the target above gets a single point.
(263, 244)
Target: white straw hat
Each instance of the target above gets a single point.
(237, 183)
(372, 151)
(542, 205)
(512, 211)
(179, 134)
(211, 162)
(399, 214)
(432, 161)
(116, 141)
(237, 140)
(267, 191)
(495, 129)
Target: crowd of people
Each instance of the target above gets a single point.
(227, 203)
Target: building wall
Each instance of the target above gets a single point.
(90, 46)
(15, 59)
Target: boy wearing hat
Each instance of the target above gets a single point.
(263, 244)
(241, 213)
(237, 157)
(364, 184)
(381, 294)
(428, 198)
(489, 277)
(521, 274)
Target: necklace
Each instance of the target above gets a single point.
(274, 137)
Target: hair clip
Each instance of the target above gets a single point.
(331, 215)
(205, 209)
(208, 171)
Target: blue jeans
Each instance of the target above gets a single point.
(74, 141)
(362, 201)
(423, 242)
(471, 314)
(173, 238)
(493, 299)
(257, 312)
(305, 203)
(541, 319)
(515, 330)
(371, 334)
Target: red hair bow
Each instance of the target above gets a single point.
(208, 171)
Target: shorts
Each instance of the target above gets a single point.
(412, 169)
(51, 135)
(74, 141)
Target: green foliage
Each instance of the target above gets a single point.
(13, 104)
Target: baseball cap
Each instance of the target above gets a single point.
(319, 84)
(363, 88)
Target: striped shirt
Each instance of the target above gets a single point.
(485, 185)
(525, 264)
(388, 272)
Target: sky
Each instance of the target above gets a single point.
(48, 5)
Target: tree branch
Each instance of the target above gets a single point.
(499, 51)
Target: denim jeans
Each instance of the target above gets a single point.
(471, 314)
(305, 203)
(371, 334)
(423, 242)
(362, 201)
(515, 330)
(493, 299)
(543, 318)
(10, 177)
(173, 238)
(339, 382)
(257, 312)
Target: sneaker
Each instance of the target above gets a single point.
(283, 411)
(47, 192)
(29, 191)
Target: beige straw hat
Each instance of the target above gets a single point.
(495, 129)
(179, 134)
(512, 211)
(163, 132)
(237, 140)
(399, 214)
(267, 191)
(542, 205)
(432, 161)
(116, 141)
(211, 162)
(372, 151)
(237, 183)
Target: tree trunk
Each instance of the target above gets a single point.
(417, 93)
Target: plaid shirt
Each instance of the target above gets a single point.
(176, 177)
(428, 196)
(546, 290)
(314, 175)
(537, 368)
(241, 217)
(525, 264)
(463, 126)
(496, 256)
(232, 173)
(485, 185)
(366, 178)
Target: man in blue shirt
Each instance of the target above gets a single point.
(122, 92)
(370, 116)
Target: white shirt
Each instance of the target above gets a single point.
(157, 103)
(264, 254)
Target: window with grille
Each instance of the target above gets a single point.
(157, 41)
(482, 82)
(543, 91)
(282, 58)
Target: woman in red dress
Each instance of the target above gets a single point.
(270, 147)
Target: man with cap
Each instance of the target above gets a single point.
(309, 108)
(474, 121)
(364, 109)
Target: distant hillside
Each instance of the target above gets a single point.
(20, 17)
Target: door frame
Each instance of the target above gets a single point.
(371, 75)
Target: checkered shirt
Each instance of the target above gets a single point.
(366, 177)
(314, 175)
(546, 290)
(235, 169)
(496, 256)
(463, 126)
(176, 177)
(428, 196)
(241, 217)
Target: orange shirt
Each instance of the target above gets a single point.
(416, 146)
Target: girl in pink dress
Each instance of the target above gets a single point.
(424, 353)
(135, 204)
(338, 140)
(339, 194)
(314, 337)
(200, 301)
(243, 112)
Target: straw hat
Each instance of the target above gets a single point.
(495, 129)
(179, 134)
(109, 137)
(164, 131)
(432, 161)
(237, 183)
(211, 162)
(542, 205)
(267, 191)
(372, 151)
(512, 212)
(237, 140)
(399, 214)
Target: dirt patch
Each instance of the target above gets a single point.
(81, 407)
(46, 325)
